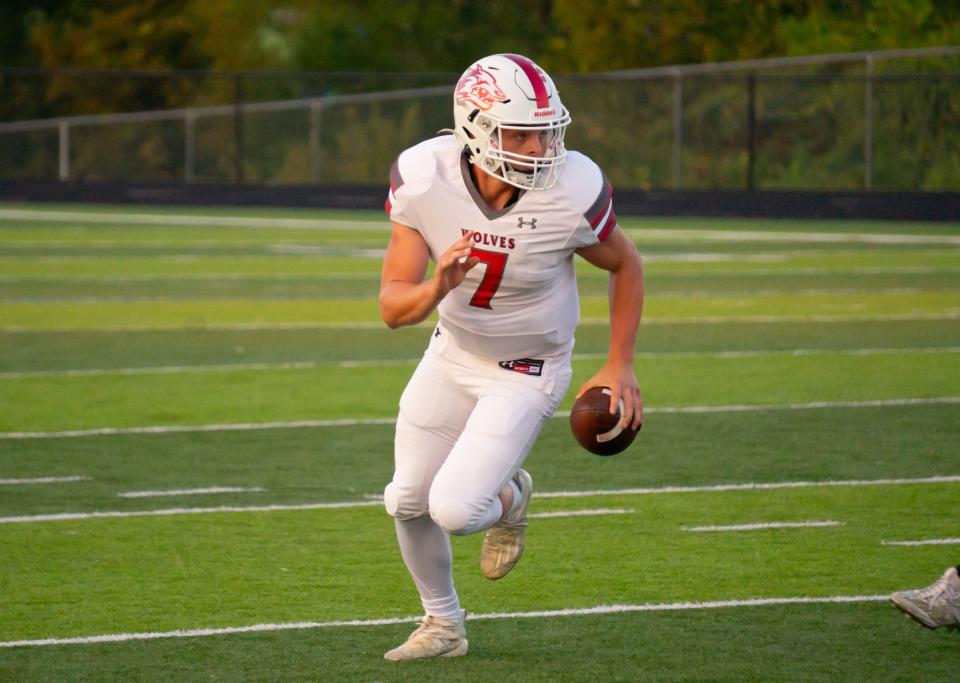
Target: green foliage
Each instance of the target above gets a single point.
(810, 133)
(423, 35)
(618, 34)
(870, 25)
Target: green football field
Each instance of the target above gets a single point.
(196, 416)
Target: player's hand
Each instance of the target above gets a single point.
(622, 381)
(454, 264)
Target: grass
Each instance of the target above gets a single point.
(252, 313)
(718, 644)
(38, 350)
(347, 463)
(170, 572)
(313, 393)
(80, 296)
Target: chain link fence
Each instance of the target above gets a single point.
(879, 120)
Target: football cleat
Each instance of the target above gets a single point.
(435, 637)
(936, 605)
(504, 542)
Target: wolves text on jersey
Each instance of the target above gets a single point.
(492, 240)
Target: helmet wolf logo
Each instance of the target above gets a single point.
(479, 87)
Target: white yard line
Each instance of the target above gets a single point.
(178, 429)
(360, 253)
(160, 370)
(762, 525)
(669, 234)
(685, 235)
(372, 501)
(235, 327)
(170, 512)
(191, 492)
(949, 314)
(745, 293)
(42, 480)
(302, 365)
(542, 614)
(752, 486)
(931, 541)
(581, 513)
(218, 298)
(814, 405)
(811, 270)
(190, 219)
(354, 422)
(375, 276)
(193, 299)
(176, 277)
(715, 257)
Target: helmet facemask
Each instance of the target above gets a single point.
(525, 171)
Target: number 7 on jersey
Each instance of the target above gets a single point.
(495, 262)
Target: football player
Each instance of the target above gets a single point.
(501, 207)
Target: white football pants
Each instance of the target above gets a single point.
(464, 429)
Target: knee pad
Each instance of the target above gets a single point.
(401, 506)
(453, 516)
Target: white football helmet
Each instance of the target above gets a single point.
(503, 93)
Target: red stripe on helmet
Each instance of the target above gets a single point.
(536, 80)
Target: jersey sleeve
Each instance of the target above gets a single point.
(598, 219)
(398, 205)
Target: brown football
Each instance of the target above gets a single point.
(595, 428)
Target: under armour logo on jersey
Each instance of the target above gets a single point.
(532, 223)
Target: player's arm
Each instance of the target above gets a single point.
(405, 297)
(617, 255)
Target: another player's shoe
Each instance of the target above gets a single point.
(937, 605)
(503, 544)
(435, 637)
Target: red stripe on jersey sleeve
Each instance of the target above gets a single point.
(607, 227)
(603, 209)
(600, 214)
(386, 205)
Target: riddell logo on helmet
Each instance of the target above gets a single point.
(479, 87)
(540, 113)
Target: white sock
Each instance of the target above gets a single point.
(516, 496)
(426, 551)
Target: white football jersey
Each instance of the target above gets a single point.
(521, 299)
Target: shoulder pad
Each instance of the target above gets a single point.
(591, 193)
(418, 165)
(583, 181)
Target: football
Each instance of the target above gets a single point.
(595, 428)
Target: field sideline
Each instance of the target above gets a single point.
(196, 412)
